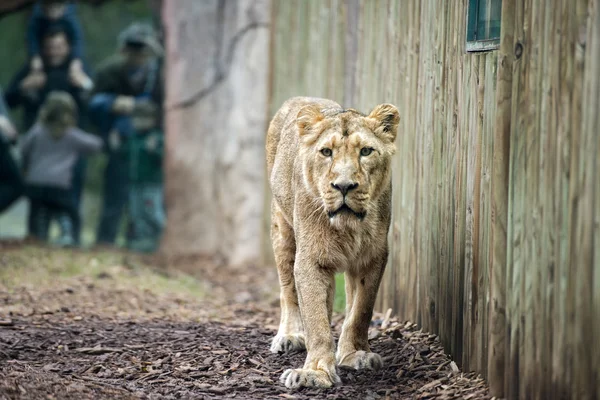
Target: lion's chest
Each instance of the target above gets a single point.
(347, 249)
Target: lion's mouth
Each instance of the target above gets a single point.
(346, 209)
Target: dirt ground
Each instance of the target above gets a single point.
(110, 325)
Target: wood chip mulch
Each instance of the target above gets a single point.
(76, 339)
(94, 359)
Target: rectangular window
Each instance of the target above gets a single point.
(483, 25)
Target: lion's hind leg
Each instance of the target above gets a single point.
(291, 332)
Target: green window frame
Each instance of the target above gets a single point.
(483, 25)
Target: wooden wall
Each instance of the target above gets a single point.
(553, 259)
(496, 179)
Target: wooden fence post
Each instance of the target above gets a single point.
(500, 181)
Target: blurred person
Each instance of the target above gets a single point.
(126, 84)
(146, 207)
(46, 15)
(11, 186)
(49, 153)
(29, 90)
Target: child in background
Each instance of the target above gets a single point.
(49, 153)
(48, 13)
(145, 153)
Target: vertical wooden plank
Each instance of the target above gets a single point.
(315, 45)
(399, 234)
(329, 20)
(485, 215)
(515, 223)
(430, 279)
(342, 28)
(441, 117)
(450, 172)
(421, 301)
(460, 103)
(547, 157)
(592, 122)
(499, 215)
(571, 360)
(478, 288)
(407, 276)
(559, 345)
(585, 109)
(394, 73)
(412, 180)
(531, 265)
(472, 135)
(433, 234)
(439, 231)
(352, 37)
(464, 245)
(527, 203)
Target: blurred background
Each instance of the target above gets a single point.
(101, 22)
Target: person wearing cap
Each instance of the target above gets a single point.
(126, 84)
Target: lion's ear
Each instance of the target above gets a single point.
(387, 118)
(307, 117)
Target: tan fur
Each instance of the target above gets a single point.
(311, 242)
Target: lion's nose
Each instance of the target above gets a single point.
(344, 186)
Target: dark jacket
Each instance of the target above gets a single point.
(3, 113)
(111, 81)
(39, 24)
(11, 184)
(145, 165)
(57, 78)
(3, 109)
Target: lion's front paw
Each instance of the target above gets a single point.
(286, 343)
(297, 378)
(361, 360)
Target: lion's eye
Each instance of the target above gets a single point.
(326, 152)
(366, 151)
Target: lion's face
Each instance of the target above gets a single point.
(347, 158)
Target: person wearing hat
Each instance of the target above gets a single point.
(126, 84)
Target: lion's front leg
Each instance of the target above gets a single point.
(315, 287)
(290, 335)
(353, 347)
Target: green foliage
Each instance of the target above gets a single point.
(102, 25)
(339, 304)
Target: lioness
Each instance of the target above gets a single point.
(330, 174)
